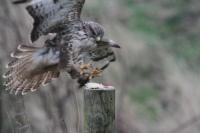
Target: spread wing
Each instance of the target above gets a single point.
(51, 15)
(30, 68)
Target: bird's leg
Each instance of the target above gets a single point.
(90, 71)
(96, 72)
(84, 67)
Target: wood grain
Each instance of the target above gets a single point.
(99, 110)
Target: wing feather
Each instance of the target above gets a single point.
(49, 16)
(26, 71)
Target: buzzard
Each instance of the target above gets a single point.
(78, 47)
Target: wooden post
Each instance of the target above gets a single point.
(99, 108)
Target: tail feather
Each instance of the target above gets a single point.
(7, 82)
(20, 54)
(17, 71)
(28, 87)
(8, 73)
(25, 48)
(14, 86)
(38, 82)
(12, 63)
(23, 52)
(20, 69)
(55, 74)
(19, 78)
(47, 78)
(20, 87)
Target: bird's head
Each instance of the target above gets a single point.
(96, 31)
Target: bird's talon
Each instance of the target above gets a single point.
(88, 69)
(81, 73)
(96, 72)
(90, 77)
(85, 66)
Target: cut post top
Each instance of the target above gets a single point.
(98, 86)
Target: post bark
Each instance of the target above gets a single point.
(99, 109)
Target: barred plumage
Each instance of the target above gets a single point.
(28, 69)
(79, 48)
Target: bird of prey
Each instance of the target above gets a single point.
(78, 48)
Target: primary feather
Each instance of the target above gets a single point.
(30, 68)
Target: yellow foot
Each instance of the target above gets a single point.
(90, 71)
(95, 73)
(84, 67)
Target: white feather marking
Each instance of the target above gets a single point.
(11, 91)
(17, 56)
(8, 66)
(11, 66)
(34, 2)
(16, 92)
(12, 87)
(8, 84)
(6, 76)
(12, 55)
(20, 48)
(7, 88)
(24, 93)
(32, 89)
(44, 81)
(20, 87)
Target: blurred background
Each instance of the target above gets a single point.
(157, 74)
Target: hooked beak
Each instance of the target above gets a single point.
(110, 42)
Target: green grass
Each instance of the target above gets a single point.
(176, 32)
(142, 96)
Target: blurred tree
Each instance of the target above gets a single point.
(13, 113)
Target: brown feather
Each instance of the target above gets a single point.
(19, 78)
